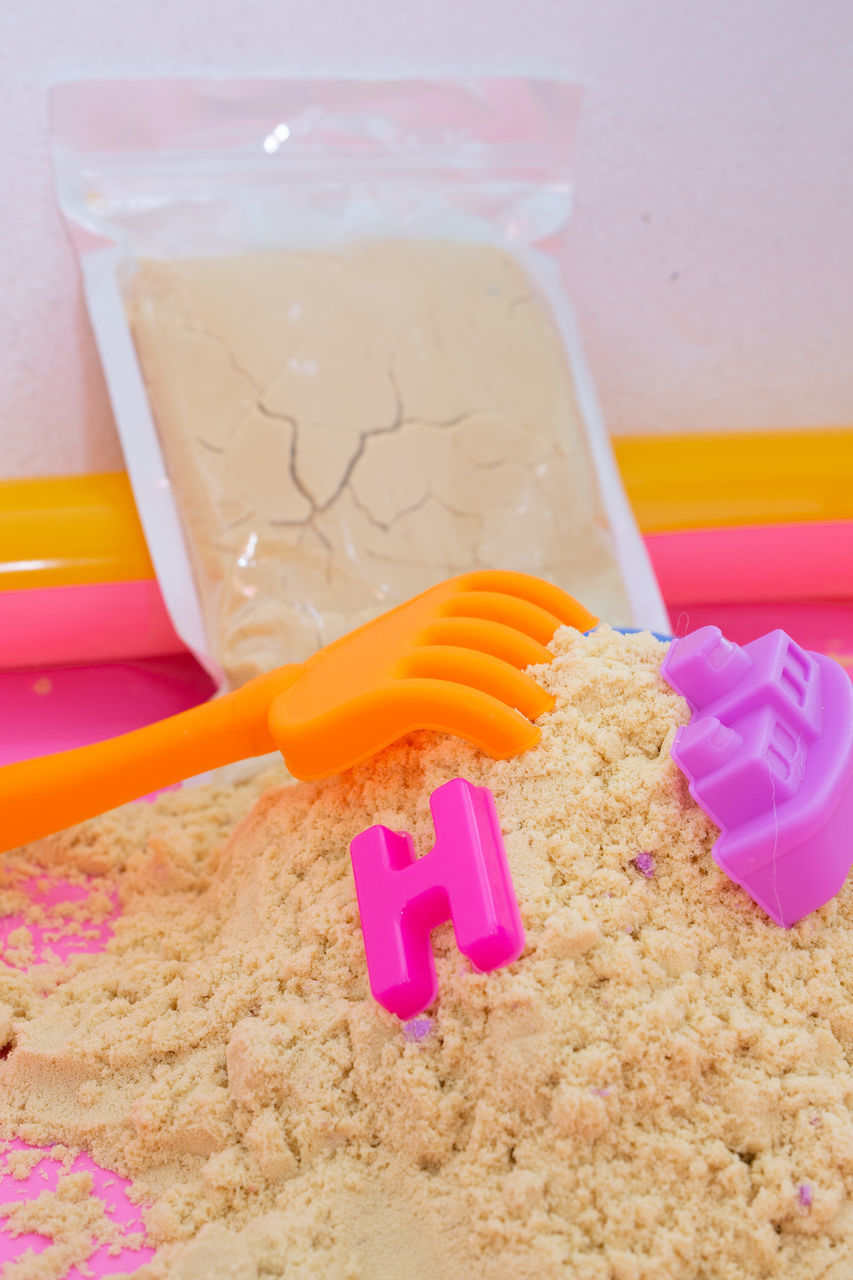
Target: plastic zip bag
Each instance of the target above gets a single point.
(338, 349)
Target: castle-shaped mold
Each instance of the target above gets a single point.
(768, 754)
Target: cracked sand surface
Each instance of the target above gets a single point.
(343, 430)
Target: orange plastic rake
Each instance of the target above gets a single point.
(451, 659)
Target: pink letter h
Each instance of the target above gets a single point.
(465, 877)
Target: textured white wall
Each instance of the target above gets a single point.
(712, 261)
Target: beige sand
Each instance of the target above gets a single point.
(344, 430)
(659, 1089)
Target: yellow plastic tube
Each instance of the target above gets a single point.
(729, 479)
(70, 531)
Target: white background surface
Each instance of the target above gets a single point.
(712, 258)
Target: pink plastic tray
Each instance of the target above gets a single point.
(756, 564)
(55, 708)
(97, 622)
(51, 709)
(107, 1186)
(821, 626)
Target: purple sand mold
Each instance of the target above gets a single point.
(768, 754)
(804, 1195)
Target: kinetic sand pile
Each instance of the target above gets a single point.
(657, 1090)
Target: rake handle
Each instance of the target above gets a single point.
(49, 793)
